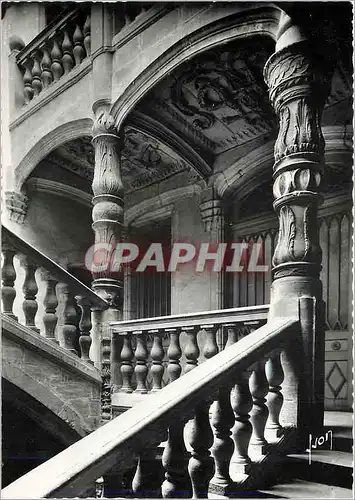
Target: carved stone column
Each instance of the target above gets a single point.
(298, 88)
(108, 227)
(108, 208)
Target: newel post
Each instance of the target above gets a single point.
(108, 228)
(298, 88)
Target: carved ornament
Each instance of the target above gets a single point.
(16, 204)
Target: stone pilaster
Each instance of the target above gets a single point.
(108, 207)
(298, 89)
(212, 216)
(211, 212)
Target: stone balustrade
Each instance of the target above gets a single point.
(59, 48)
(78, 301)
(213, 422)
(156, 351)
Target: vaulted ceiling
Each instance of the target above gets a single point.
(212, 106)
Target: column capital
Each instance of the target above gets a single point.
(296, 71)
(298, 88)
(17, 205)
(211, 209)
(104, 124)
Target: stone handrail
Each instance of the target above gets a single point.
(59, 284)
(139, 431)
(60, 47)
(153, 350)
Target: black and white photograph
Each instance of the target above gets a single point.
(177, 273)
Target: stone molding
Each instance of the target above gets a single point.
(48, 186)
(233, 179)
(139, 25)
(64, 133)
(158, 205)
(162, 133)
(17, 205)
(261, 20)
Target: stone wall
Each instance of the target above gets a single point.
(59, 380)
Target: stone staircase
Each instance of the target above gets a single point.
(329, 474)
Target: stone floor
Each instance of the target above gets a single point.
(338, 419)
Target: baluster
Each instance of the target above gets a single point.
(275, 377)
(191, 350)
(106, 407)
(27, 81)
(78, 50)
(67, 58)
(126, 363)
(232, 335)
(141, 368)
(30, 289)
(210, 348)
(87, 35)
(36, 75)
(157, 355)
(146, 482)
(200, 438)
(177, 482)
(84, 327)
(8, 291)
(46, 62)
(174, 354)
(222, 422)
(50, 303)
(258, 388)
(242, 403)
(56, 66)
(99, 487)
(70, 320)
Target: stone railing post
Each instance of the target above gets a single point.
(108, 228)
(298, 88)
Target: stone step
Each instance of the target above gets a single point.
(298, 488)
(329, 467)
(342, 438)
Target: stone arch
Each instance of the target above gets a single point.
(244, 175)
(44, 396)
(41, 414)
(258, 21)
(160, 206)
(64, 133)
